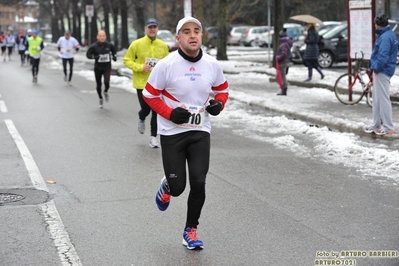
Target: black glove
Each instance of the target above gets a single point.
(180, 115)
(214, 107)
(95, 56)
(114, 58)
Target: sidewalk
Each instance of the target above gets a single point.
(314, 101)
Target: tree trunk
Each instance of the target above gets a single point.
(124, 34)
(107, 11)
(222, 31)
(76, 27)
(115, 14)
(140, 20)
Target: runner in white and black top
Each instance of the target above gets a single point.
(3, 42)
(21, 46)
(10, 43)
(178, 90)
(102, 51)
(28, 34)
(68, 46)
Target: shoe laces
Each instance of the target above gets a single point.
(192, 234)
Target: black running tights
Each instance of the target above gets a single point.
(35, 65)
(22, 55)
(145, 111)
(193, 148)
(99, 73)
(64, 65)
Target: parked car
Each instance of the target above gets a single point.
(234, 35)
(332, 48)
(252, 35)
(210, 36)
(170, 39)
(294, 30)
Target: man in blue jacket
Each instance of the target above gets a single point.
(383, 65)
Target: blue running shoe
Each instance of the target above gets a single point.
(190, 239)
(163, 197)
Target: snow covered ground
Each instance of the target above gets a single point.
(374, 159)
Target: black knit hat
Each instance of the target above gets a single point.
(381, 20)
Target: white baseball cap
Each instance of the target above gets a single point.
(186, 20)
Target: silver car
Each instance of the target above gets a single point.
(235, 33)
(252, 35)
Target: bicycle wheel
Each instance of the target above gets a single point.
(369, 95)
(348, 89)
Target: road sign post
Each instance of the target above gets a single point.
(89, 14)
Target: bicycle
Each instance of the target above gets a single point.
(350, 88)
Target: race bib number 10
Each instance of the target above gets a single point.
(197, 118)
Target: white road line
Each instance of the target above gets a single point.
(66, 250)
(3, 107)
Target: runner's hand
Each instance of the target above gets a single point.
(214, 107)
(114, 58)
(180, 115)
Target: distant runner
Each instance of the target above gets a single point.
(102, 51)
(35, 46)
(68, 46)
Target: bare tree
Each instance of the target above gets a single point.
(222, 31)
(139, 7)
(125, 26)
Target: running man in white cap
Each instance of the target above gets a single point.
(178, 90)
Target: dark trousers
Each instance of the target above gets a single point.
(22, 55)
(10, 51)
(64, 65)
(145, 111)
(35, 65)
(99, 73)
(311, 63)
(193, 148)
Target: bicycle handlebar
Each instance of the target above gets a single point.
(361, 58)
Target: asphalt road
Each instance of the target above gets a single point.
(264, 206)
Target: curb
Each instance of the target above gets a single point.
(394, 98)
(342, 128)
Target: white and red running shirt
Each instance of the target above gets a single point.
(68, 46)
(175, 82)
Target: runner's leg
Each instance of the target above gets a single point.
(98, 75)
(198, 153)
(70, 60)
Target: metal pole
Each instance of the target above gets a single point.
(268, 24)
(89, 31)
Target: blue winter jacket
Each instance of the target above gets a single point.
(383, 57)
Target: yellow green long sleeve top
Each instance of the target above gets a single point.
(140, 51)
